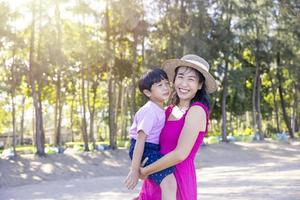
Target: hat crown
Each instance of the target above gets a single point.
(196, 60)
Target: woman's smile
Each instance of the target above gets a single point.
(183, 90)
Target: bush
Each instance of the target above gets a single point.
(211, 140)
(248, 131)
(28, 149)
(51, 150)
(244, 138)
(280, 136)
(123, 143)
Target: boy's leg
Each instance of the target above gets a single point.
(168, 188)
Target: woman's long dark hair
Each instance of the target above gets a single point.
(200, 96)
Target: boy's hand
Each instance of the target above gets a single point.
(132, 179)
(144, 162)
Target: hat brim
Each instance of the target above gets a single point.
(170, 65)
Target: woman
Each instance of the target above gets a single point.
(185, 127)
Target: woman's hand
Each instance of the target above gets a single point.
(143, 174)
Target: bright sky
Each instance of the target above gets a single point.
(23, 6)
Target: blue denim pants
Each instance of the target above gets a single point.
(152, 152)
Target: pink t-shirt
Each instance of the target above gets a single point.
(151, 119)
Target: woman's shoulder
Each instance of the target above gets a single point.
(199, 104)
(197, 109)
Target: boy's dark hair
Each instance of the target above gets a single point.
(200, 96)
(150, 77)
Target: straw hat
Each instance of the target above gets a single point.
(195, 62)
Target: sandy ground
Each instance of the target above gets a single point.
(241, 171)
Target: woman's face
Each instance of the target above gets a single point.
(186, 83)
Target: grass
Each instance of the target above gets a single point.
(79, 146)
(27, 149)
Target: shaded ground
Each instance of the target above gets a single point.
(241, 171)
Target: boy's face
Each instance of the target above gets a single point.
(160, 91)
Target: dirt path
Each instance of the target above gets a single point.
(241, 171)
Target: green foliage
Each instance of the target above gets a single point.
(122, 68)
(4, 120)
(29, 149)
(123, 143)
(244, 138)
(211, 140)
(136, 38)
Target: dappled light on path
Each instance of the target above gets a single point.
(241, 171)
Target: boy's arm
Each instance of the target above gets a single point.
(133, 175)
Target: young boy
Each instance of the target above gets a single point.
(145, 130)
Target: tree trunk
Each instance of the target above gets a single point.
(91, 107)
(56, 134)
(259, 117)
(118, 91)
(294, 125)
(119, 99)
(13, 104)
(275, 104)
(112, 130)
(254, 122)
(59, 63)
(72, 119)
(297, 85)
(112, 126)
(58, 111)
(133, 76)
(123, 112)
(256, 91)
(254, 103)
(33, 126)
(22, 121)
(88, 97)
(92, 136)
(224, 96)
(58, 129)
(14, 122)
(84, 124)
(56, 137)
(282, 101)
(231, 122)
(225, 81)
(40, 115)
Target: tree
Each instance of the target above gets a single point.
(252, 27)
(224, 38)
(109, 67)
(59, 63)
(36, 88)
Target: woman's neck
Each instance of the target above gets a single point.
(184, 103)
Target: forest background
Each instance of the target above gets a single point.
(69, 68)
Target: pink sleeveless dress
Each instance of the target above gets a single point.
(185, 172)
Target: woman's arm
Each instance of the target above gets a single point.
(195, 121)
